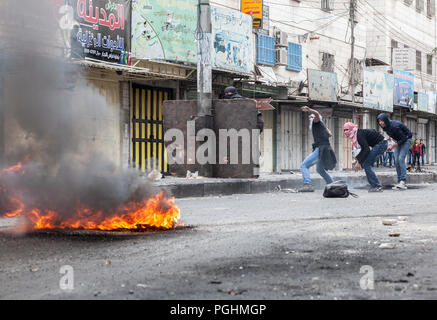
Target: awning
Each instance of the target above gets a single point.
(132, 72)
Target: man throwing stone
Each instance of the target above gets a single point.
(323, 156)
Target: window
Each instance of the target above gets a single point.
(429, 64)
(294, 57)
(418, 60)
(265, 48)
(420, 6)
(430, 8)
(328, 62)
(327, 5)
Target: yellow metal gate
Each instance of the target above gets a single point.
(148, 150)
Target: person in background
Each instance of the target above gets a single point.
(389, 155)
(423, 151)
(402, 138)
(417, 154)
(367, 146)
(323, 155)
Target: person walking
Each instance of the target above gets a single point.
(423, 151)
(389, 159)
(417, 154)
(323, 155)
(402, 138)
(367, 146)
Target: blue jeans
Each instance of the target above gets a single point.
(310, 161)
(401, 153)
(376, 152)
(389, 158)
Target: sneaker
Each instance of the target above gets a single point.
(400, 186)
(376, 189)
(307, 188)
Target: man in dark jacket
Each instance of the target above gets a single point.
(402, 137)
(322, 155)
(367, 146)
(231, 93)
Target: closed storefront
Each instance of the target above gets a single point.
(412, 124)
(432, 143)
(289, 139)
(266, 143)
(148, 152)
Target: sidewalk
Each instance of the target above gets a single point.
(205, 187)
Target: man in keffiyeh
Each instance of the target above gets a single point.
(367, 146)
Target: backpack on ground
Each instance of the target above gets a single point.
(338, 189)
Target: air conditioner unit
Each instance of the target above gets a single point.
(281, 38)
(281, 57)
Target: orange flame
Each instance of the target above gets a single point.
(158, 212)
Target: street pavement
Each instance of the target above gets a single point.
(279, 246)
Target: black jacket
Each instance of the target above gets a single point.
(396, 130)
(367, 138)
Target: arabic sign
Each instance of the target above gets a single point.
(101, 30)
(378, 90)
(322, 85)
(253, 8)
(232, 45)
(164, 31)
(404, 88)
(404, 58)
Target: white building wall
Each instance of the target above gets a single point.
(395, 20)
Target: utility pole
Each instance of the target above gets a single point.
(352, 62)
(204, 68)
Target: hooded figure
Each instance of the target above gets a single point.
(231, 93)
(402, 137)
(367, 146)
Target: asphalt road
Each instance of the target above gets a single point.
(267, 246)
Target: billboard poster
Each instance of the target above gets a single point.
(422, 101)
(322, 85)
(253, 8)
(101, 30)
(231, 37)
(432, 101)
(164, 31)
(404, 88)
(378, 90)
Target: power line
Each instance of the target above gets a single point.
(385, 22)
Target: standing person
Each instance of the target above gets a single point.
(423, 151)
(231, 93)
(417, 154)
(402, 138)
(367, 146)
(390, 154)
(323, 155)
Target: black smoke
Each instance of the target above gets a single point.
(43, 102)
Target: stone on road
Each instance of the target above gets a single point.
(264, 246)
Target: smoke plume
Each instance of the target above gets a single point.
(51, 127)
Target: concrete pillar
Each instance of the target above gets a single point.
(125, 124)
